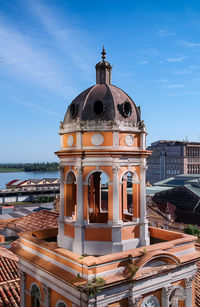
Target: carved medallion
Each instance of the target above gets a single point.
(97, 139)
(150, 301)
(70, 140)
(129, 140)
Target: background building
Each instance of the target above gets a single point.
(171, 158)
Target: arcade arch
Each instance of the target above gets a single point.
(129, 195)
(98, 196)
(70, 195)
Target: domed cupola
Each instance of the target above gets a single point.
(102, 102)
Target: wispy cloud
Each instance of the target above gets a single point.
(192, 92)
(161, 81)
(39, 108)
(165, 33)
(181, 72)
(175, 60)
(194, 67)
(189, 44)
(150, 51)
(174, 85)
(26, 60)
(173, 94)
(143, 62)
(70, 41)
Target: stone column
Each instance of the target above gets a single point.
(116, 215)
(22, 288)
(144, 236)
(46, 292)
(62, 204)
(166, 291)
(80, 195)
(78, 245)
(188, 291)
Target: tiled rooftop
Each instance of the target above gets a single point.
(9, 279)
(40, 220)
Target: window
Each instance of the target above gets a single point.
(35, 296)
(62, 305)
(98, 107)
(73, 110)
(127, 109)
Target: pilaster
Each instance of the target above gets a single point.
(166, 291)
(62, 204)
(188, 291)
(144, 235)
(46, 291)
(78, 244)
(22, 288)
(116, 215)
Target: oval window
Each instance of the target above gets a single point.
(127, 108)
(73, 110)
(98, 107)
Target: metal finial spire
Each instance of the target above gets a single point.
(103, 53)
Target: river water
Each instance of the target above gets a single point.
(6, 177)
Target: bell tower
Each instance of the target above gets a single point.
(102, 171)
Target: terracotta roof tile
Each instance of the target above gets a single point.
(40, 220)
(9, 279)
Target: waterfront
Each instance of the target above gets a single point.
(6, 177)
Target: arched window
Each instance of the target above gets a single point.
(177, 295)
(35, 296)
(61, 303)
(70, 199)
(98, 197)
(127, 193)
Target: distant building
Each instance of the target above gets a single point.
(171, 158)
(16, 183)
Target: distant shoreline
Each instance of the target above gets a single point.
(23, 171)
(11, 170)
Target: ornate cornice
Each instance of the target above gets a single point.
(101, 125)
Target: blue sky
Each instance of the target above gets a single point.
(48, 51)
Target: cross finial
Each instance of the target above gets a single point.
(103, 53)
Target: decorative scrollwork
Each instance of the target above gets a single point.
(46, 290)
(79, 169)
(166, 291)
(115, 169)
(188, 282)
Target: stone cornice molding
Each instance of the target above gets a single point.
(101, 125)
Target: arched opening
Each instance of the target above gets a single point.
(61, 305)
(129, 196)
(35, 296)
(177, 296)
(98, 197)
(70, 196)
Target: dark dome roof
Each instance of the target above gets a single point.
(102, 102)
